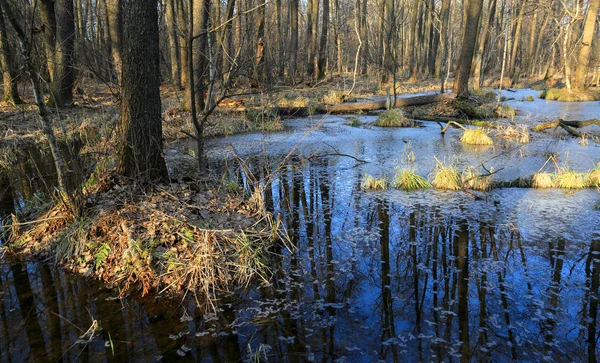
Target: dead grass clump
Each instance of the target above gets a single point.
(543, 180)
(408, 180)
(519, 134)
(564, 95)
(353, 121)
(372, 183)
(569, 179)
(157, 242)
(446, 177)
(471, 179)
(504, 111)
(594, 176)
(483, 95)
(337, 97)
(476, 137)
(393, 118)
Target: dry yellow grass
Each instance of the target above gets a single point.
(570, 179)
(393, 118)
(372, 183)
(594, 176)
(408, 180)
(543, 180)
(471, 179)
(446, 177)
(519, 134)
(476, 137)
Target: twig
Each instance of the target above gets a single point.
(31, 222)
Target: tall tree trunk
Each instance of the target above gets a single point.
(7, 62)
(463, 72)
(293, 45)
(586, 45)
(173, 44)
(200, 50)
(279, 36)
(183, 35)
(412, 45)
(435, 40)
(115, 29)
(516, 41)
(365, 36)
(445, 19)
(64, 72)
(48, 17)
(483, 39)
(228, 50)
(140, 129)
(312, 26)
(322, 65)
(259, 57)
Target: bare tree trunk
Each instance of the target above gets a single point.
(9, 73)
(445, 18)
(183, 36)
(200, 51)
(228, 50)
(64, 72)
(322, 65)
(583, 58)
(365, 36)
(463, 72)
(173, 44)
(48, 17)
(516, 41)
(412, 45)
(483, 40)
(140, 129)
(115, 28)
(312, 21)
(259, 59)
(293, 47)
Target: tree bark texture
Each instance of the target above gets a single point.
(463, 72)
(140, 129)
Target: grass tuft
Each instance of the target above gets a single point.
(372, 183)
(408, 180)
(570, 179)
(563, 94)
(519, 134)
(476, 137)
(471, 179)
(393, 118)
(543, 180)
(594, 176)
(446, 177)
(353, 121)
(504, 111)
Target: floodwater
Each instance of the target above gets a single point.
(512, 275)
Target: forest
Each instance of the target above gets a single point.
(287, 180)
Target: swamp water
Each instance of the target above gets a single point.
(385, 276)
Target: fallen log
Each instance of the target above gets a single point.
(352, 106)
(567, 125)
(381, 105)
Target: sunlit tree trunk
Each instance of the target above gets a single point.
(115, 29)
(48, 17)
(463, 72)
(322, 63)
(293, 44)
(516, 42)
(173, 44)
(140, 129)
(64, 71)
(182, 25)
(583, 58)
(483, 39)
(445, 17)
